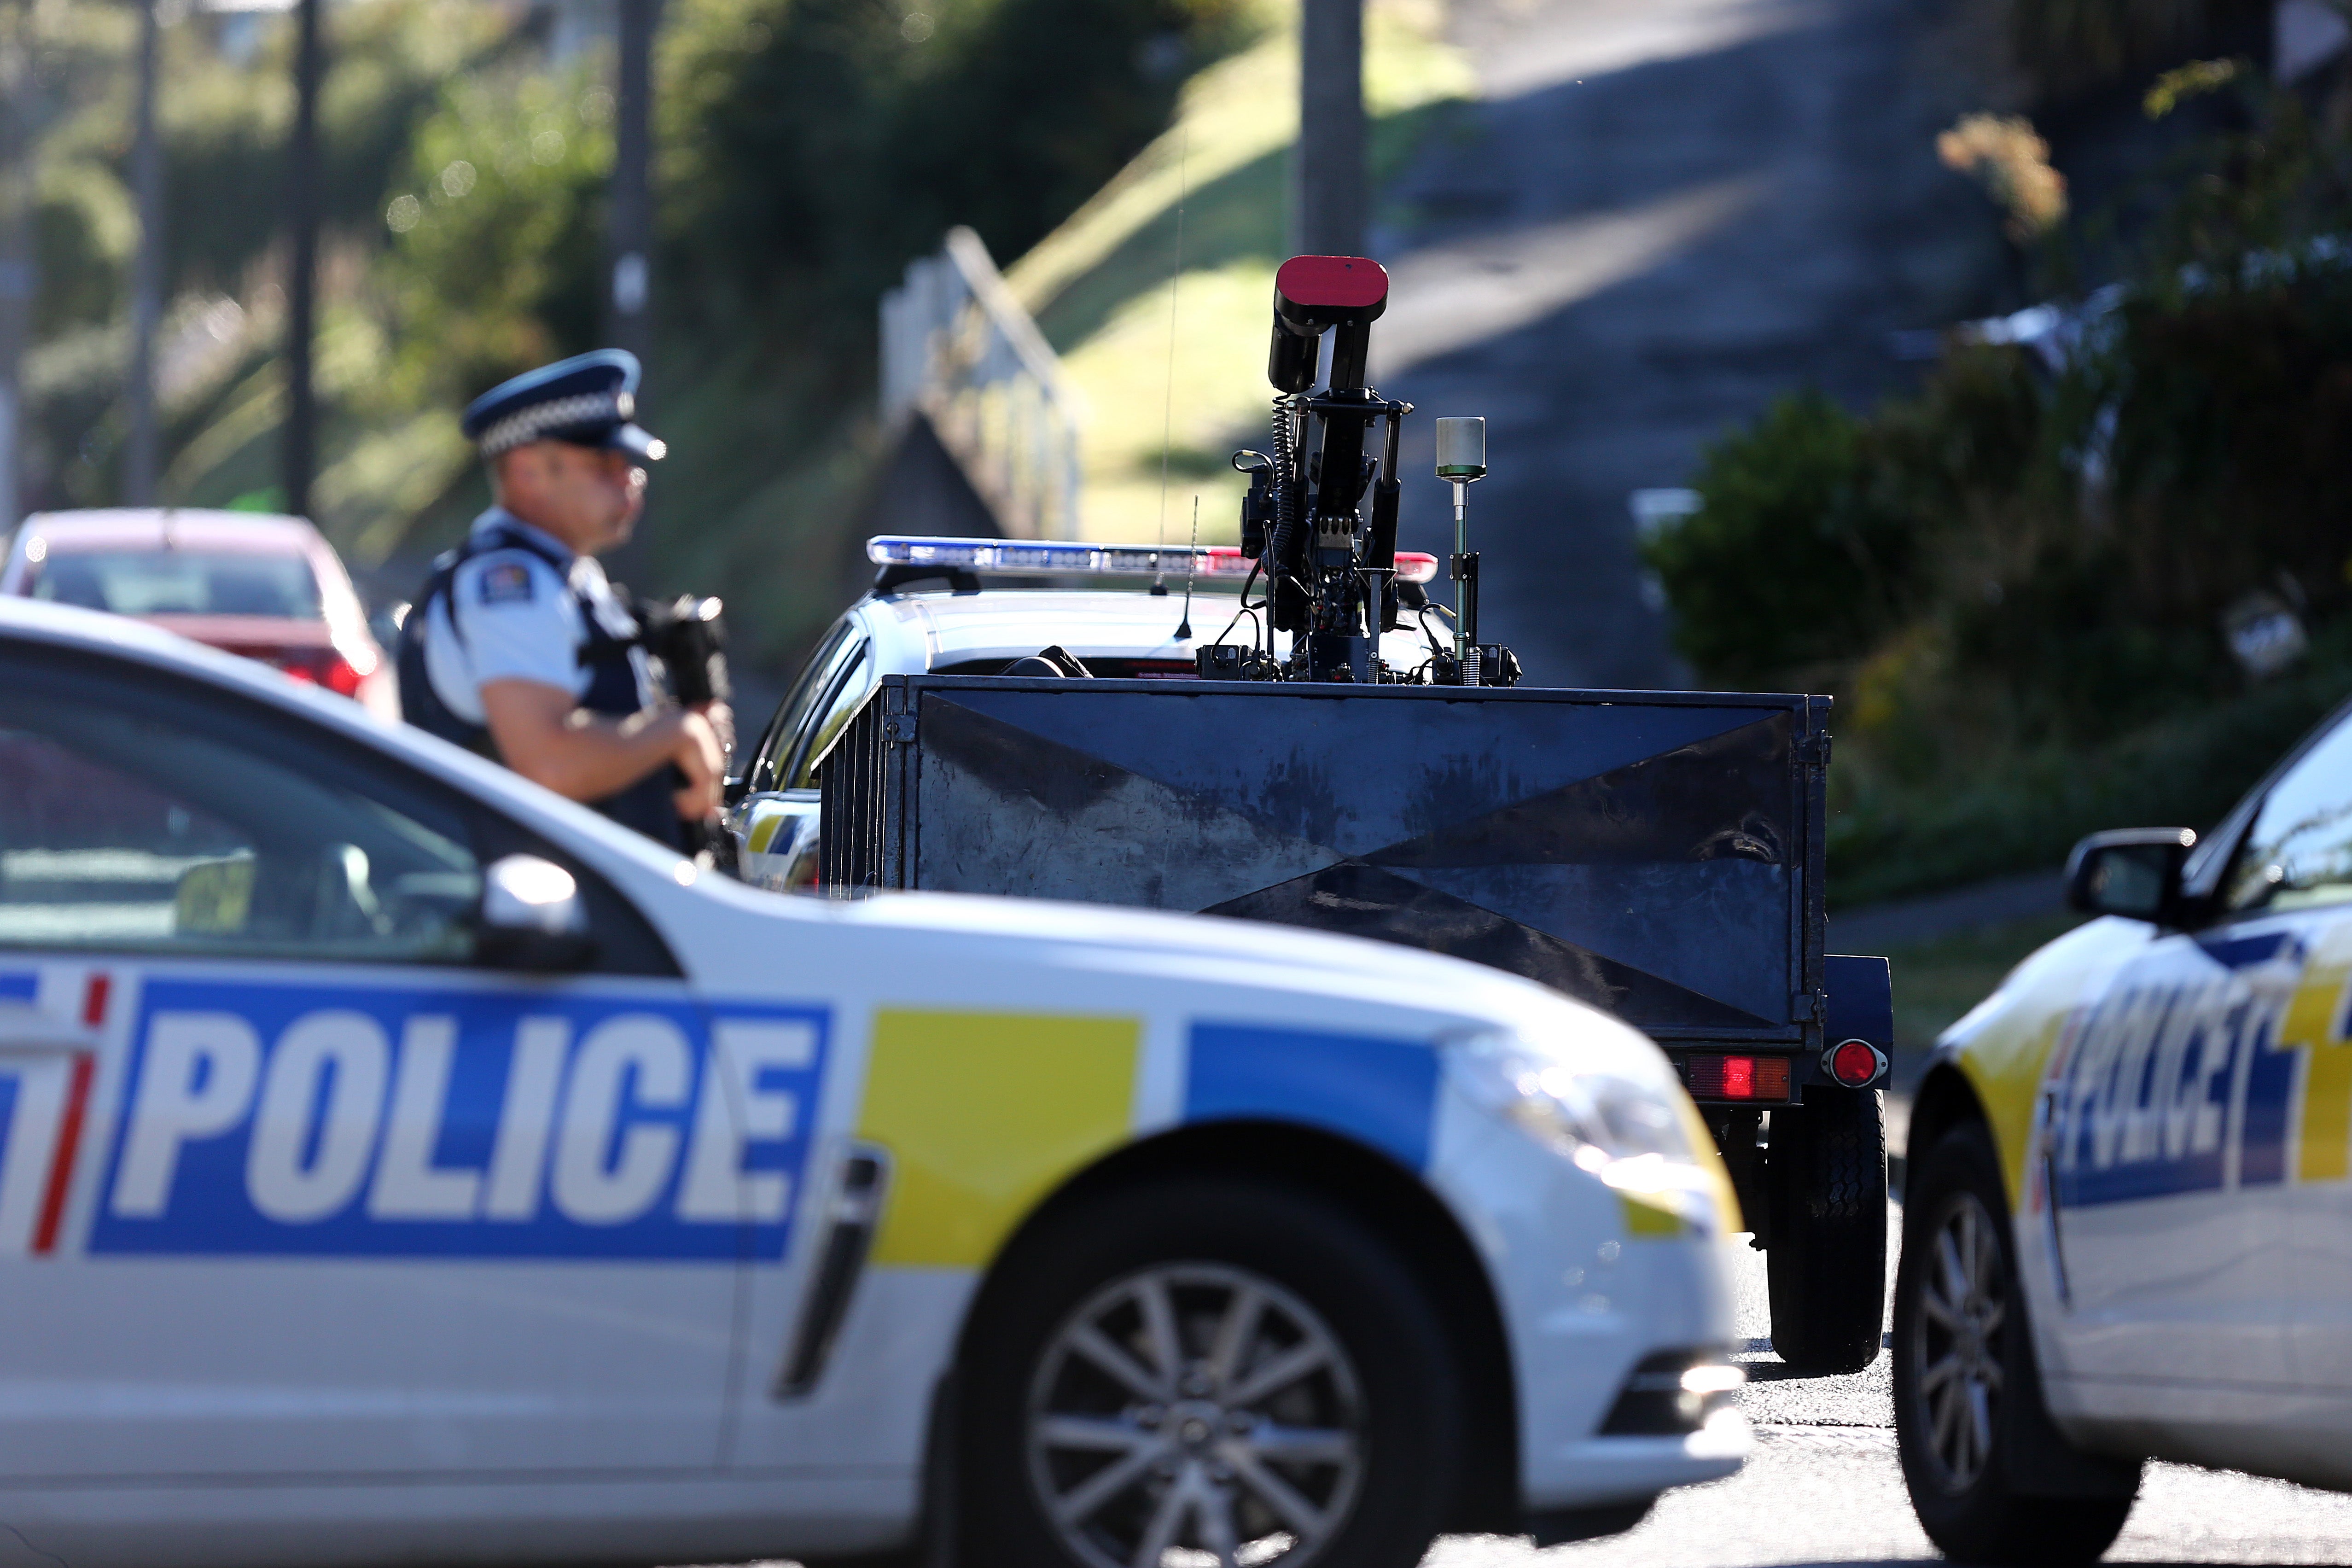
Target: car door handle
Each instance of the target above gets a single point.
(2045, 1154)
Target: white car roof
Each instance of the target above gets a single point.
(928, 630)
(973, 626)
(99, 529)
(187, 526)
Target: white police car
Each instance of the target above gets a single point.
(2129, 1226)
(928, 615)
(398, 1163)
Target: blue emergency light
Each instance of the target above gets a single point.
(1040, 557)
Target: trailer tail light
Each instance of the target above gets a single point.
(1736, 1077)
(1051, 558)
(1857, 1064)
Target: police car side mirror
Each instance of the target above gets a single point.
(2133, 872)
(531, 917)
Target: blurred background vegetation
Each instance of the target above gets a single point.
(807, 150)
(2022, 580)
(1154, 293)
(2019, 578)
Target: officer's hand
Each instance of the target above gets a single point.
(701, 758)
(722, 725)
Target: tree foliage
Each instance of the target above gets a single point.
(2024, 571)
(1821, 534)
(495, 232)
(817, 145)
(1787, 503)
(806, 150)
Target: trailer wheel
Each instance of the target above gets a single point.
(1827, 1259)
(1232, 1366)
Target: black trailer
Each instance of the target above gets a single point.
(1657, 854)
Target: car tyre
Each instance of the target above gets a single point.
(1826, 1263)
(1209, 1363)
(1969, 1423)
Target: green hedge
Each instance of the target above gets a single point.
(2024, 812)
(2016, 579)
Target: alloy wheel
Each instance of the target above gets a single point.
(1196, 1414)
(1956, 1342)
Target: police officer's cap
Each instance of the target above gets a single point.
(589, 400)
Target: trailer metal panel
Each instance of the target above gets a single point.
(1655, 854)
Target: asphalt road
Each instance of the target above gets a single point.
(1823, 1487)
(1657, 216)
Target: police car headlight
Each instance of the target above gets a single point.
(1622, 1128)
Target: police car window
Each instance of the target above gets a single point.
(2298, 854)
(846, 695)
(126, 826)
(776, 747)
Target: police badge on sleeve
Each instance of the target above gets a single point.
(506, 582)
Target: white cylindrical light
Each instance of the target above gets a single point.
(1462, 448)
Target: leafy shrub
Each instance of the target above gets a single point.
(85, 229)
(2015, 580)
(1786, 564)
(2233, 417)
(2013, 809)
(2005, 154)
(2072, 44)
(496, 230)
(1818, 534)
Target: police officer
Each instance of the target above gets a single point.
(520, 649)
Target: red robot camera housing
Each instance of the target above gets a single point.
(1318, 291)
(1312, 294)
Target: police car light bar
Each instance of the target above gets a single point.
(1032, 557)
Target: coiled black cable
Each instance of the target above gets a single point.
(1286, 448)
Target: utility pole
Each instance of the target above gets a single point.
(15, 248)
(139, 465)
(629, 302)
(302, 280)
(1328, 197)
(629, 314)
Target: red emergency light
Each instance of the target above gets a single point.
(1744, 1078)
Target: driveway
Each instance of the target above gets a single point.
(1657, 217)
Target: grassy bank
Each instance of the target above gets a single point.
(2022, 812)
(1156, 292)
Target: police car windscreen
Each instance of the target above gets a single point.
(182, 582)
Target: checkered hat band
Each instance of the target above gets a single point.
(526, 424)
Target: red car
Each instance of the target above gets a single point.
(270, 588)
